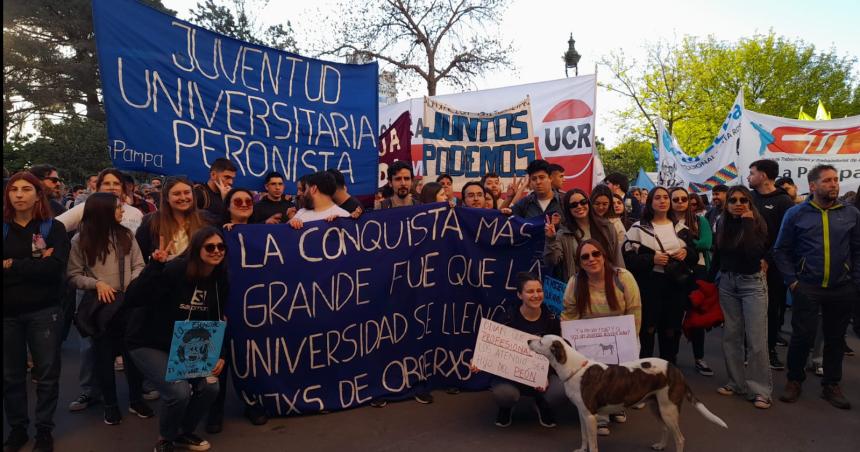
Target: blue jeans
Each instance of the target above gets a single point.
(743, 299)
(41, 331)
(183, 402)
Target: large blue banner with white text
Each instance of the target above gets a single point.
(178, 96)
(334, 315)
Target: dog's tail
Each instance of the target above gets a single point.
(704, 410)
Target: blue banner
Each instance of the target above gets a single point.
(178, 96)
(337, 314)
(195, 348)
(553, 294)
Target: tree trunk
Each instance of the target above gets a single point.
(94, 107)
(431, 87)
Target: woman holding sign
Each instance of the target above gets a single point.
(191, 287)
(532, 317)
(598, 289)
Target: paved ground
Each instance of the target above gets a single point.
(464, 422)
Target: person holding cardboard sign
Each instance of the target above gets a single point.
(532, 317)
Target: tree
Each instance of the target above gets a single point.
(240, 19)
(628, 157)
(692, 86)
(452, 41)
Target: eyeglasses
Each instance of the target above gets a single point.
(679, 200)
(247, 202)
(739, 200)
(475, 195)
(575, 204)
(211, 247)
(594, 255)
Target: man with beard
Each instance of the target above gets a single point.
(273, 207)
(51, 181)
(400, 179)
(718, 203)
(319, 188)
(473, 195)
(818, 255)
(772, 203)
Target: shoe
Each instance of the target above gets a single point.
(378, 403)
(618, 418)
(819, 371)
(424, 397)
(791, 392)
(453, 390)
(503, 418)
(545, 415)
(163, 445)
(214, 428)
(112, 415)
(775, 363)
(44, 442)
(780, 342)
(16, 440)
(190, 441)
(833, 394)
(118, 364)
(82, 403)
(256, 414)
(151, 395)
(725, 390)
(141, 409)
(848, 351)
(703, 369)
(602, 429)
(761, 402)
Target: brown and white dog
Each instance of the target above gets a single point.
(600, 388)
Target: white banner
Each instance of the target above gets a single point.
(503, 351)
(563, 113)
(716, 165)
(609, 340)
(799, 145)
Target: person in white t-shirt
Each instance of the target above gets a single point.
(318, 202)
(109, 181)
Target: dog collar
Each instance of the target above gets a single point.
(584, 363)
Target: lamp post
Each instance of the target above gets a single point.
(571, 57)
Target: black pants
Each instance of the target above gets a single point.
(835, 305)
(775, 304)
(662, 312)
(106, 349)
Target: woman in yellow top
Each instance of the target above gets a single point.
(598, 289)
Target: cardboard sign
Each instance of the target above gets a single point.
(610, 340)
(553, 294)
(195, 349)
(503, 351)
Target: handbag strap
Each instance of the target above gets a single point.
(121, 257)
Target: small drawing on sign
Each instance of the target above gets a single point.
(603, 349)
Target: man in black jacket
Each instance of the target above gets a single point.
(772, 203)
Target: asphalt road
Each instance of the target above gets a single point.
(464, 422)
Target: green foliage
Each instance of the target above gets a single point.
(240, 19)
(627, 158)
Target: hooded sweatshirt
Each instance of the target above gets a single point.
(772, 207)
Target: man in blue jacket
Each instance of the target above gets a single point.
(818, 253)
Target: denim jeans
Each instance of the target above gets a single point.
(835, 305)
(743, 299)
(86, 373)
(183, 402)
(41, 331)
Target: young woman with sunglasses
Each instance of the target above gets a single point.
(193, 286)
(741, 244)
(35, 253)
(240, 208)
(171, 227)
(683, 212)
(599, 289)
(578, 223)
(95, 265)
(652, 243)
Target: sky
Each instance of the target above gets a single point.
(539, 31)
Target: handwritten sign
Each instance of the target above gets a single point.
(195, 349)
(610, 340)
(553, 294)
(504, 351)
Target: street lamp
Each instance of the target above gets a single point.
(571, 57)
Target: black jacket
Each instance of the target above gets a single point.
(33, 283)
(772, 207)
(744, 259)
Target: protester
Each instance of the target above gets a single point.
(619, 184)
(823, 273)
(210, 196)
(684, 213)
(69, 201)
(542, 201)
(109, 180)
(556, 175)
(739, 246)
(133, 198)
(621, 212)
(602, 205)
(342, 197)
(787, 184)
(155, 183)
(447, 183)
(492, 184)
(533, 317)
(489, 201)
(35, 253)
(578, 223)
(400, 179)
(473, 195)
(193, 286)
(600, 289)
(317, 201)
(652, 244)
(273, 207)
(432, 192)
(104, 259)
(153, 197)
(240, 208)
(50, 179)
(697, 205)
(718, 202)
(171, 227)
(772, 203)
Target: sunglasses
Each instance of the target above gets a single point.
(211, 247)
(679, 200)
(243, 202)
(739, 200)
(575, 204)
(594, 255)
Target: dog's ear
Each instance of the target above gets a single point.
(557, 350)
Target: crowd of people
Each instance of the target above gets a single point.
(157, 250)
